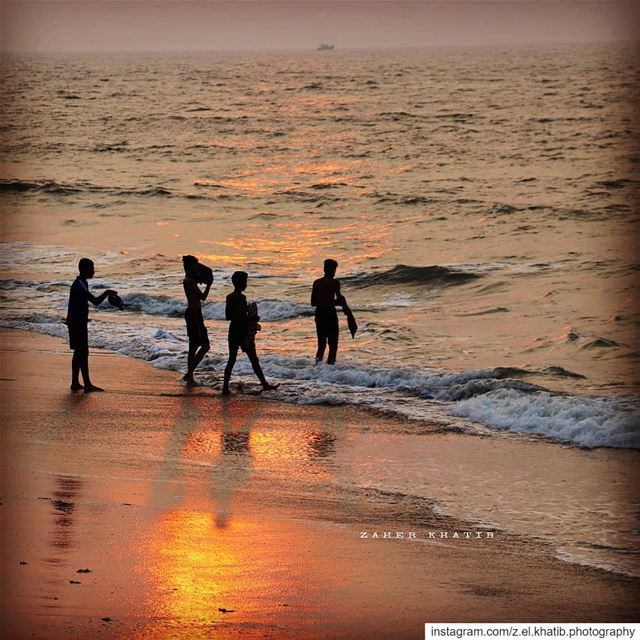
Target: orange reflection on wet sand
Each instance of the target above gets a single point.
(290, 455)
(211, 568)
(195, 567)
(202, 444)
(245, 579)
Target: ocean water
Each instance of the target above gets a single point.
(482, 205)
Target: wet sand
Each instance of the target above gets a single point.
(203, 517)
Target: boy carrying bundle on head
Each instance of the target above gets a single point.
(196, 331)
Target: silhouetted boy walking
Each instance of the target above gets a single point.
(237, 311)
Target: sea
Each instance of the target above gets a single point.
(482, 204)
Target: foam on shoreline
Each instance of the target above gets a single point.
(498, 399)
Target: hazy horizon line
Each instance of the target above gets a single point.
(60, 26)
(338, 49)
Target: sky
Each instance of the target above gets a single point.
(183, 25)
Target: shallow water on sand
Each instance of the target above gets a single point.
(482, 205)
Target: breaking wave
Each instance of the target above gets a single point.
(588, 422)
(44, 186)
(159, 305)
(404, 274)
(496, 399)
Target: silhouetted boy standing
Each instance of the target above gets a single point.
(325, 297)
(77, 321)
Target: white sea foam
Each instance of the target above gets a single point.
(496, 398)
(589, 422)
(439, 385)
(582, 556)
(159, 305)
(488, 397)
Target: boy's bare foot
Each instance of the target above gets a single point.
(89, 388)
(269, 387)
(189, 380)
(76, 386)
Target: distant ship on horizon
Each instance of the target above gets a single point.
(326, 47)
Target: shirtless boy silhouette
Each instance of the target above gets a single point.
(325, 297)
(237, 311)
(197, 332)
(77, 321)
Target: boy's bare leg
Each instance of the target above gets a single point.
(233, 353)
(193, 360)
(84, 368)
(201, 354)
(257, 369)
(75, 371)
(333, 349)
(322, 344)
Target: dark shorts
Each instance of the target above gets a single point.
(327, 325)
(238, 338)
(197, 332)
(78, 336)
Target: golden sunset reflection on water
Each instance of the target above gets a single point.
(331, 171)
(278, 177)
(247, 181)
(304, 104)
(301, 244)
(223, 259)
(488, 254)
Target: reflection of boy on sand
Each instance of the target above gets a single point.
(237, 311)
(197, 332)
(233, 468)
(77, 320)
(325, 297)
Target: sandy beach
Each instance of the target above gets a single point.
(152, 511)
